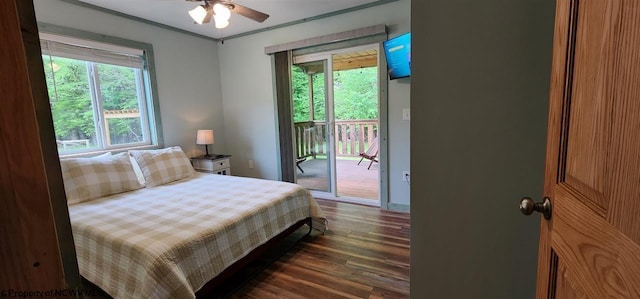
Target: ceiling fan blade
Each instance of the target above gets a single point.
(247, 12)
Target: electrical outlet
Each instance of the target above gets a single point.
(250, 164)
(406, 176)
(406, 114)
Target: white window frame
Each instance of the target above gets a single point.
(98, 48)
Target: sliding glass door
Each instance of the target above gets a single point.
(312, 122)
(336, 123)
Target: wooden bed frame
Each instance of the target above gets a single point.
(212, 286)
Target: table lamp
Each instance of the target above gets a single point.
(205, 137)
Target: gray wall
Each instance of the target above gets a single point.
(239, 106)
(481, 74)
(186, 69)
(247, 91)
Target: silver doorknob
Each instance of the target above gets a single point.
(527, 206)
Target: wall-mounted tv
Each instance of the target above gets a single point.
(397, 50)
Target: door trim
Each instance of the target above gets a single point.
(559, 95)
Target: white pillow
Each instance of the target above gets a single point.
(163, 166)
(107, 154)
(90, 178)
(137, 170)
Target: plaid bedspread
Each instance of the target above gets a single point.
(168, 241)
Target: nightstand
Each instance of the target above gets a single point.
(218, 164)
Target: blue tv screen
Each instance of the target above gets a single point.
(397, 50)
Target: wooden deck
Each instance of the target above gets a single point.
(353, 180)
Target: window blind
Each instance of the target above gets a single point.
(128, 57)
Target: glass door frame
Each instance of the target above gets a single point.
(327, 58)
(329, 118)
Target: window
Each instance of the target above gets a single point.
(99, 95)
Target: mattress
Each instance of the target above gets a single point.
(168, 241)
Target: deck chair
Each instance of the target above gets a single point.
(308, 141)
(371, 153)
(300, 160)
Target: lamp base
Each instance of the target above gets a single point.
(206, 149)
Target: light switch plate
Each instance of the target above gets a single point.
(406, 114)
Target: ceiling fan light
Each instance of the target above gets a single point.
(201, 14)
(222, 11)
(220, 22)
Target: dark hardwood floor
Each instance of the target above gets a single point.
(364, 254)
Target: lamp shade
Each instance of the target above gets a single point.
(221, 11)
(220, 22)
(204, 137)
(201, 14)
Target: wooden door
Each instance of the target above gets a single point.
(591, 246)
(36, 245)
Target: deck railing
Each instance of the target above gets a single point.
(351, 137)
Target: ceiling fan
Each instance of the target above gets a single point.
(221, 11)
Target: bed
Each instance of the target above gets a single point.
(167, 239)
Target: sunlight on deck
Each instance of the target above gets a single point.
(353, 180)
